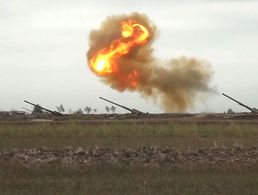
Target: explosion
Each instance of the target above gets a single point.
(120, 53)
(132, 34)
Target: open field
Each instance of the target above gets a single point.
(104, 179)
(129, 157)
(122, 135)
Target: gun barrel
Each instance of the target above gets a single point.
(116, 104)
(134, 111)
(241, 104)
(50, 111)
(30, 103)
(27, 109)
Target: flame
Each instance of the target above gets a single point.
(105, 61)
(121, 54)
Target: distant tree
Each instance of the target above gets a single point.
(60, 108)
(95, 110)
(113, 109)
(79, 111)
(230, 111)
(87, 109)
(107, 109)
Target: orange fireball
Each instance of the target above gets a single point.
(104, 62)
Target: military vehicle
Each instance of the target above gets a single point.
(133, 111)
(39, 109)
(253, 110)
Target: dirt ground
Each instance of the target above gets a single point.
(145, 155)
(126, 154)
(153, 156)
(143, 118)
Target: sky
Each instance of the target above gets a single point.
(43, 47)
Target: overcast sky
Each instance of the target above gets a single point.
(43, 47)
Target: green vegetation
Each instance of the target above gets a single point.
(121, 135)
(101, 178)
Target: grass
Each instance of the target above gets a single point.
(102, 179)
(135, 179)
(122, 135)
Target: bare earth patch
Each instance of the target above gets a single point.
(149, 156)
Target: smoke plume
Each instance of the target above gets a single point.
(175, 84)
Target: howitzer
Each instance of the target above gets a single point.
(253, 110)
(42, 108)
(133, 111)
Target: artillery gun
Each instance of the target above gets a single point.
(39, 109)
(253, 110)
(133, 111)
